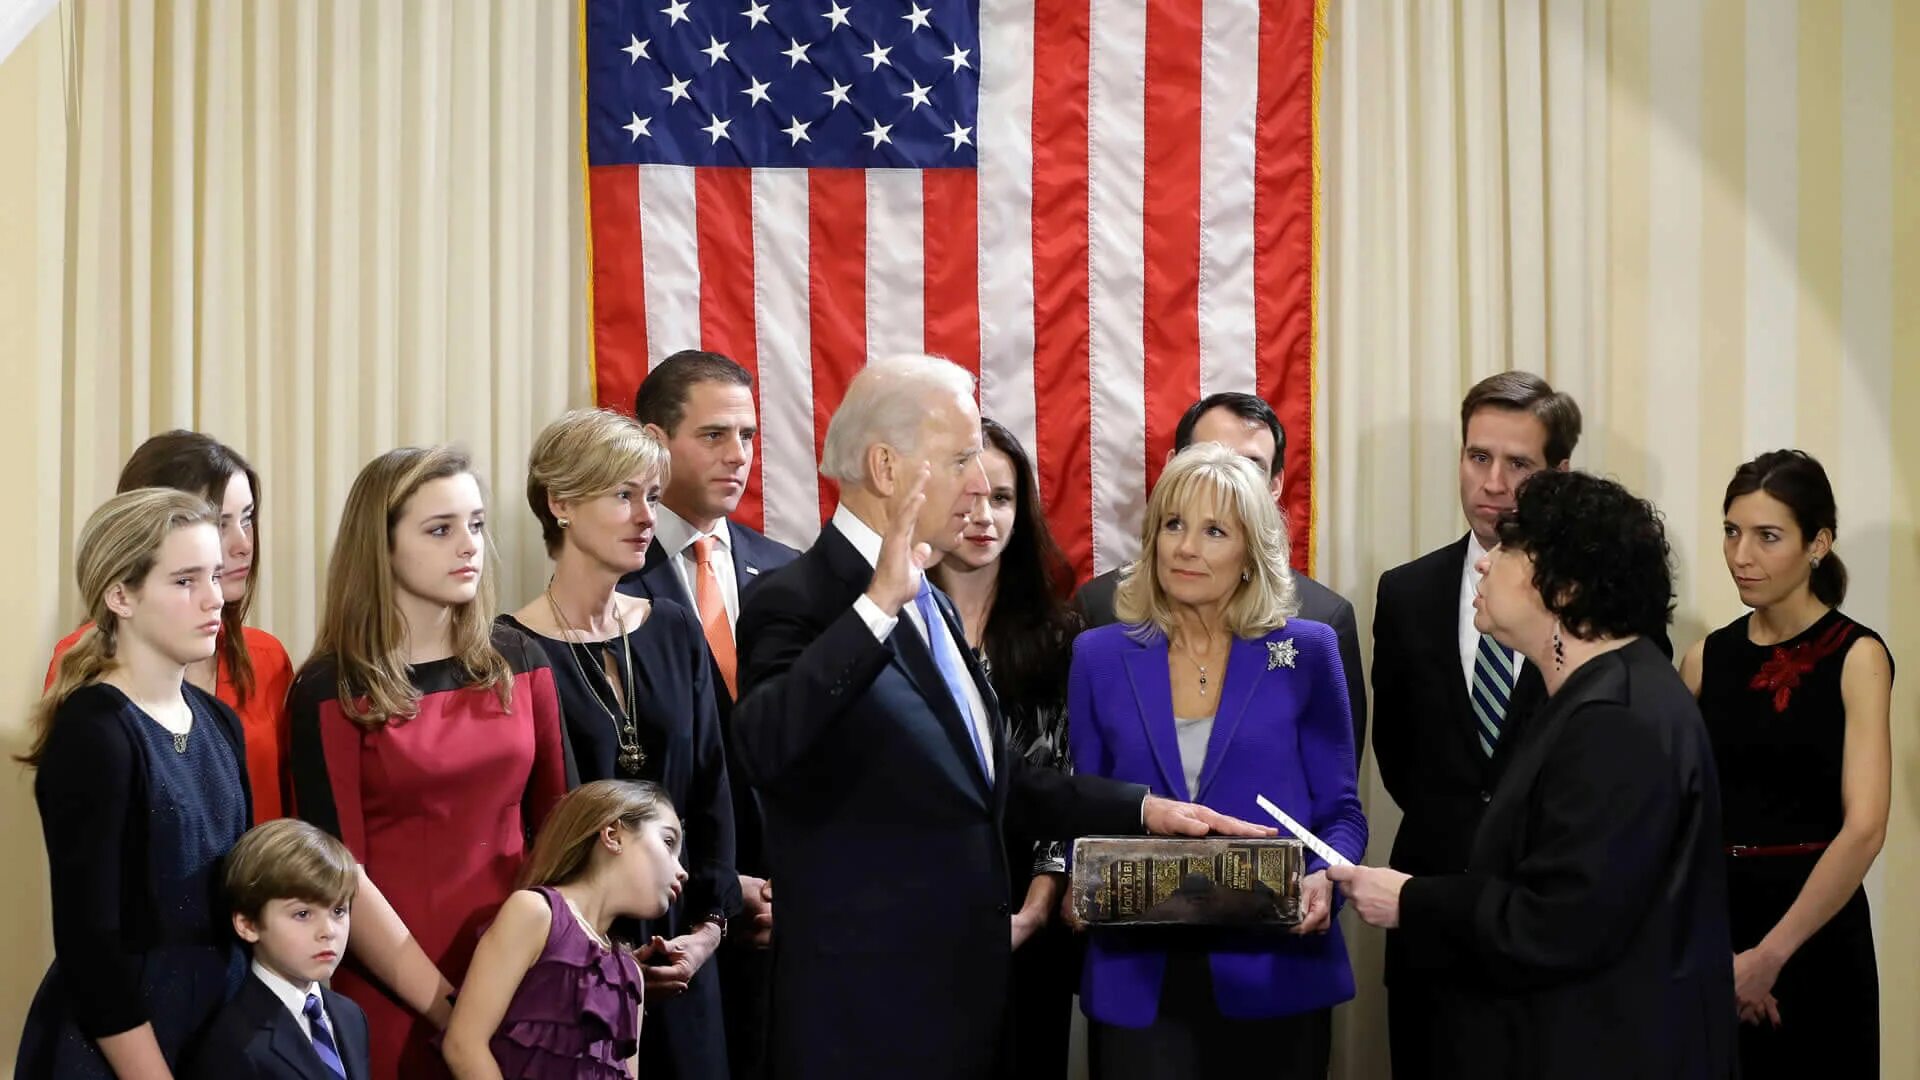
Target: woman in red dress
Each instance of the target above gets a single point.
(426, 739)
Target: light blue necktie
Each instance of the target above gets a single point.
(1491, 690)
(323, 1037)
(939, 641)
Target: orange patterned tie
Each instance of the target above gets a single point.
(713, 612)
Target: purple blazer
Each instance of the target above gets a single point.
(1279, 731)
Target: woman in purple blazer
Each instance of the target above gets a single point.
(1207, 690)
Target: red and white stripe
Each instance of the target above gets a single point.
(1138, 233)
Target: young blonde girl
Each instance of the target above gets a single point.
(142, 789)
(549, 994)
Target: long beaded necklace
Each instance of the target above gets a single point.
(626, 733)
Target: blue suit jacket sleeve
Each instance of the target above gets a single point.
(1326, 745)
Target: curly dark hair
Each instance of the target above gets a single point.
(1600, 554)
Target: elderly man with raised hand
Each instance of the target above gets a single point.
(880, 752)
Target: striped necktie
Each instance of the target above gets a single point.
(323, 1037)
(1491, 690)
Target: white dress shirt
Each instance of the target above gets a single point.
(675, 537)
(867, 543)
(295, 999)
(1469, 637)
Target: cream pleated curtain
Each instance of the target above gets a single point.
(314, 230)
(1694, 215)
(318, 231)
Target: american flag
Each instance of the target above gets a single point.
(1104, 208)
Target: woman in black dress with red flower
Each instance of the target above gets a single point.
(1796, 698)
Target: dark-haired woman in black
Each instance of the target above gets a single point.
(1011, 584)
(1796, 698)
(1587, 936)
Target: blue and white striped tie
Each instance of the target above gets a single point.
(323, 1037)
(1491, 689)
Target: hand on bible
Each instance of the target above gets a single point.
(1165, 817)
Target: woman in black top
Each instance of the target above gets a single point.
(1011, 584)
(142, 792)
(636, 693)
(1587, 935)
(1796, 697)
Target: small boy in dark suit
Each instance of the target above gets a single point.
(290, 888)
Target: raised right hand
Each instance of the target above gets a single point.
(896, 574)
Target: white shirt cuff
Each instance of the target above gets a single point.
(879, 622)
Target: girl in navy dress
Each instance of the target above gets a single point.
(142, 791)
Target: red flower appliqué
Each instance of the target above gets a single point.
(1782, 672)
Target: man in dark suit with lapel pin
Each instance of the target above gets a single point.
(1450, 703)
(700, 406)
(290, 887)
(1248, 426)
(880, 753)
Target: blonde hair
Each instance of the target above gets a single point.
(583, 455)
(1259, 605)
(564, 848)
(361, 628)
(118, 546)
(288, 859)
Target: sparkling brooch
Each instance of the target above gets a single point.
(1281, 654)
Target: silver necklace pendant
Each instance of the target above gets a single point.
(180, 742)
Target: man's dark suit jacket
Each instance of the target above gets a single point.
(254, 1037)
(754, 556)
(1590, 924)
(1317, 603)
(1425, 737)
(891, 947)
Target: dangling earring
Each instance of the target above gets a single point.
(1816, 562)
(1559, 650)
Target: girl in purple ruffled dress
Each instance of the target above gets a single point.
(549, 994)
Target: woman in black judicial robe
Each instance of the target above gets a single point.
(1588, 936)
